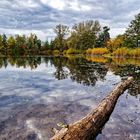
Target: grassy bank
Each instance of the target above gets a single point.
(120, 52)
(97, 51)
(125, 52)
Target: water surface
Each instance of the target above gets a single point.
(37, 93)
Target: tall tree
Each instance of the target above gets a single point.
(4, 42)
(103, 38)
(1, 42)
(84, 34)
(115, 43)
(61, 32)
(132, 34)
(36, 43)
(11, 43)
(46, 45)
(20, 46)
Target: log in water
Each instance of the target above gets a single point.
(91, 125)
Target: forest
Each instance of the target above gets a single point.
(86, 37)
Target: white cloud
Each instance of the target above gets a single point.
(132, 13)
(27, 4)
(57, 4)
(66, 4)
(115, 31)
(75, 5)
(43, 35)
(41, 16)
(85, 8)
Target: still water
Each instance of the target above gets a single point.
(37, 93)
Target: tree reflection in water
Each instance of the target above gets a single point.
(79, 70)
(129, 70)
(85, 71)
(123, 67)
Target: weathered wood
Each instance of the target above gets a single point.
(91, 125)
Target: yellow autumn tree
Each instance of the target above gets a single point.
(115, 43)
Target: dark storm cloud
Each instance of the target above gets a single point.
(41, 16)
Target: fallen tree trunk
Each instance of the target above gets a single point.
(91, 125)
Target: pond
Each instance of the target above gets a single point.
(37, 93)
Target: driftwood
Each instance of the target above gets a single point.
(91, 125)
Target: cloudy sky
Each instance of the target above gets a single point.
(41, 16)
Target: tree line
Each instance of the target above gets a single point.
(19, 44)
(81, 37)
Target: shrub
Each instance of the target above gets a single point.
(73, 51)
(125, 52)
(89, 51)
(120, 52)
(134, 52)
(56, 52)
(65, 51)
(97, 51)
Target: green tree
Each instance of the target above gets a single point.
(103, 38)
(52, 44)
(1, 42)
(115, 43)
(84, 34)
(31, 42)
(46, 45)
(36, 43)
(61, 32)
(11, 43)
(4, 42)
(20, 46)
(132, 34)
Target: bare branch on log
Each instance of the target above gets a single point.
(91, 125)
